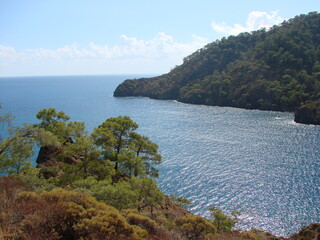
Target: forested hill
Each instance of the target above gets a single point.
(275, 69)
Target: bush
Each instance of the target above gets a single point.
(142, 221)
(162, 220)
(309, 232)
(126, 212)
(61, 214)
(247, 235)
(108, 226)
(223, 222)
(34, 179)
(181, 201)
(195, 227)
(10, 186)
(119, 195)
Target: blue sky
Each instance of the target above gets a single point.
(74, 37)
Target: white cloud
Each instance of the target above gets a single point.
(161, 45)
(9, 53)
(133, 55)
(256, 20)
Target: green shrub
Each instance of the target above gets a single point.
(162, 220)
(142, 221)
(181, 201)
(119, 195)
(126, 212)
(61, 214)
(247, 235)
(195, 227)
(223, 222)
(34, 179)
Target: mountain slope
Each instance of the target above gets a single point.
(278, 69)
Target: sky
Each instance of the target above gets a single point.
(94, 37)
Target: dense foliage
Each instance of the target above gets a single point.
(62, 214)
(276, 69)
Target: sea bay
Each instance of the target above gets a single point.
(258, 162)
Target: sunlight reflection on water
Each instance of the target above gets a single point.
(258, 162)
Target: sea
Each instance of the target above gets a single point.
(260, 163)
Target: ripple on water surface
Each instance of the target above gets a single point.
(260, 163)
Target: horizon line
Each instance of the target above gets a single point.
(83, 75)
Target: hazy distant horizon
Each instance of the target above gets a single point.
(85, 75)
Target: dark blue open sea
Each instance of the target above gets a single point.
(258, 162)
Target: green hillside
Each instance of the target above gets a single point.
(276, 69)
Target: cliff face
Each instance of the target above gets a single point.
(278, 69)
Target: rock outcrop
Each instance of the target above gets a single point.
(308, 113)
(49, 162)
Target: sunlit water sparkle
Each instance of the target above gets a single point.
(258, 162)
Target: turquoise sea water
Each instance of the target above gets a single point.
(258, 162)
